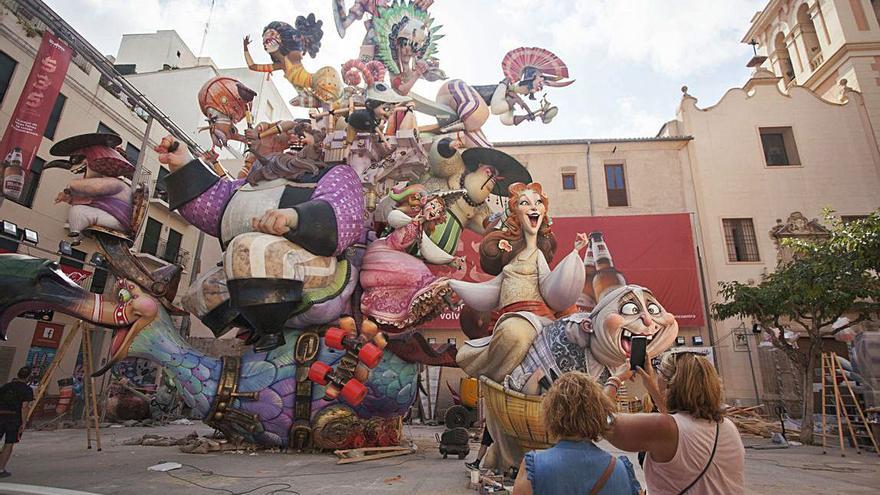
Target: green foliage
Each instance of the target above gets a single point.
(827, 278)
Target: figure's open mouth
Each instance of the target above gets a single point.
(534, 219)
(626, 340)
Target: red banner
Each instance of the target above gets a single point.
(654, 251)
(78, 275)
(28, 122)
(47, 335)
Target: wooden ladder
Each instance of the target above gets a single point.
(92, 422)
(91, 401)
(846, 407)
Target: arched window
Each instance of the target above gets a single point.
(786, 69)
(808, 33)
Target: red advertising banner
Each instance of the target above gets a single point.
(654, 251)
(28, 122)
(47, 335)
(76, 274)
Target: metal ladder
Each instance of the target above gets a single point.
(845, 407)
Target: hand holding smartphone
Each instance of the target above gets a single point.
(638, 351)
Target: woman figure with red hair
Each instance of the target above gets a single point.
(525, 294)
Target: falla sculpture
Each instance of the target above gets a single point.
(324, 210)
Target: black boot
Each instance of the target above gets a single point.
(266, 304)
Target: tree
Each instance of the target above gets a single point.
(826, 279)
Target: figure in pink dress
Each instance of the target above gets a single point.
(399, 289)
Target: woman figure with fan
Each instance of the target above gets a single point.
(526, 72)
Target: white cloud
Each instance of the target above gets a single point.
(614, 48)
(675, 37)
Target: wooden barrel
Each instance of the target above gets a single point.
(519, 415)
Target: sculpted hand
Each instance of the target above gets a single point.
(174, 159)
(276, 222)
(581, 241)
(63, 197)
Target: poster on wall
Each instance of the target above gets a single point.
(47, 335)
(28, 122)
(39, 358)
(654, 251)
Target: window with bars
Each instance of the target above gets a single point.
(739, 236)
(55, 116)
(615, 185)
(569, 182)
(7, 70)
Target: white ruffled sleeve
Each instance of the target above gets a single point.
(482, 296)
(561, 287)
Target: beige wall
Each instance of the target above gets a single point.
(840, 168)
(87, 104)
(655, 171)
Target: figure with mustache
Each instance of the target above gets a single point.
(526, 294)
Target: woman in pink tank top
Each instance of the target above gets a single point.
(691, 447)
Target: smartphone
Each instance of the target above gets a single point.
(637, 352)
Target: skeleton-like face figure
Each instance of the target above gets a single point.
(271, 41)
(626, 312)
(531, 210)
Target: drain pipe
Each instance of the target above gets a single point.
(590, 181)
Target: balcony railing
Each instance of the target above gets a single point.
(182, 257)
(817, 60)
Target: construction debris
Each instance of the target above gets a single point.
(752, 420)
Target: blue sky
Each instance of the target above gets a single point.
(630, 57)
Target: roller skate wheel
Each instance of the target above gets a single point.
(318, 372)
(334, 337)
(354, 392)
(370, 355)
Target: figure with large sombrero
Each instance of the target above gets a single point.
(481, 172)
(102, 197)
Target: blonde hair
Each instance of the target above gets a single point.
(576, 406)
(695, 388)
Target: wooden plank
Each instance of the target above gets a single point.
(370, 457)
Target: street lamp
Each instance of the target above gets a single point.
(31, 236)
(10, 229)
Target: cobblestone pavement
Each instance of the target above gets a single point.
(59, 459)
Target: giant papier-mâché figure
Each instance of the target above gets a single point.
(258, 397)
(480, 172)
(598, 343)
(287, 45)
(287, 260)
(101, 197)
(527, 71)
